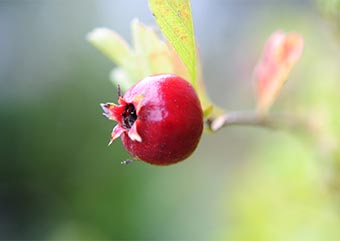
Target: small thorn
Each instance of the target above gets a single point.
(126, 162)
(119, 92)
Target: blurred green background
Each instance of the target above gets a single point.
(59, 180)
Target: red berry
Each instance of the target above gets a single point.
(160, 119)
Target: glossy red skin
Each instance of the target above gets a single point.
(169, 122)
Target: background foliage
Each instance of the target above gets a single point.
(59, 180)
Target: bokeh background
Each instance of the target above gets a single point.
(59, 180)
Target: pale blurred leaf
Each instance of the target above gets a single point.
(281, 52)
(111, 45)
(149, 56)
(151, 53)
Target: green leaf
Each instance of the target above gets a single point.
(175, 21)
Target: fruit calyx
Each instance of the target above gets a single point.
(126, 115)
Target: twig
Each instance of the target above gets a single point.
(252, 118)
